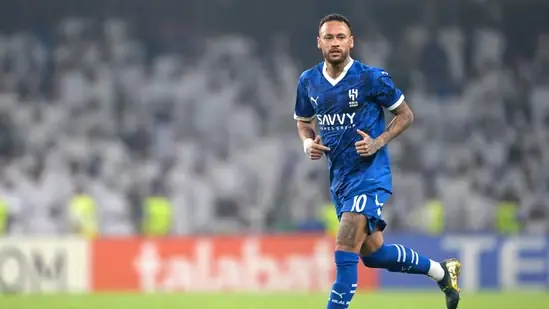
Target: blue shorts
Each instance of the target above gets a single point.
(369, 204)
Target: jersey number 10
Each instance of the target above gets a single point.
(359, 203)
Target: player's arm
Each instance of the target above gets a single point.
(391, 98)
(304, 113)
(403, 118)
(306, 129)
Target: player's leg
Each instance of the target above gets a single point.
(398, 258)
(350, 237)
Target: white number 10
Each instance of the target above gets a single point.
(359, 203)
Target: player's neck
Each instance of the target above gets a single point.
(335, 70)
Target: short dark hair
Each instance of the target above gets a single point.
(335, 17)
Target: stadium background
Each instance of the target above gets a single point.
(148, 147)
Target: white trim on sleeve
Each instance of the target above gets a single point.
(296, 117)
(397, 103)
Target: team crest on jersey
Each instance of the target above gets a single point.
(353, 97)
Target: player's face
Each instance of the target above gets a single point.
(335, 41)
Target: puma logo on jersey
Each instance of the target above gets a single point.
(314, 100)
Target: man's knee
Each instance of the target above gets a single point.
(351, 233)
(373, 242)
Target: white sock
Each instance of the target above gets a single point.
(436, 271)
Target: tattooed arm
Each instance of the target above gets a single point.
(306, 129)
(404, 117)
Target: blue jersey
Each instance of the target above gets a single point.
(356, 100)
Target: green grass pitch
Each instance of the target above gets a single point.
(373, 300)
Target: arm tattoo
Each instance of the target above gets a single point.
(351, 230)
(402, 120)
(306, 129)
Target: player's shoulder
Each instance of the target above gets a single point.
(368, 70)
(311, 73)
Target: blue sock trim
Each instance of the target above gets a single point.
(346, 257)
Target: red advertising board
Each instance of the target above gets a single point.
(269, 263)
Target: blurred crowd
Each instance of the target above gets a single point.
(212, 131)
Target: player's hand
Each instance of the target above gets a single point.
(367, 146)
(314, 148)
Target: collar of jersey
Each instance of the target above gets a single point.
(334, 81)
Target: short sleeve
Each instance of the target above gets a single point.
(304, 110)
(387, 95)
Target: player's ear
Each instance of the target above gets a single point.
(318, 42)
(352, 41)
